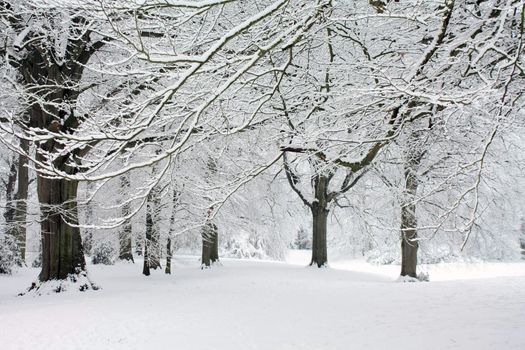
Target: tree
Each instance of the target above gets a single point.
(409, 243)
(125, 244)
(210, 245)
(152, 240)
(332, 83)
(49, 60)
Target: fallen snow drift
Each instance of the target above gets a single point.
(264, 305)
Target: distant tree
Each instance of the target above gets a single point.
(210, 243)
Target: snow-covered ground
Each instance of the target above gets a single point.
(269, 305)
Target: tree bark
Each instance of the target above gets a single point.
(62, 253)
(168, 257)
(147, 240)
(9, 213)
(151, 242)
(409, 243)
(214, 254)
(319, 220)
(319, 247)
(210, 244)
(21, 199)
(169, 253)
(125, 244)
(154, 241)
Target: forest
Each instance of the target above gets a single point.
(173, 153)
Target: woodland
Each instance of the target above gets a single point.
(146, 131)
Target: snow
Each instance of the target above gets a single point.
(270, 305)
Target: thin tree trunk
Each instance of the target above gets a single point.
(147, 240)
(154, 243)
(21, 199)
(125, 250)
(168, 257)
(151, 242)
(169, 253)
(409, 243)
(319, 219)
(9, 213)
(210, 251)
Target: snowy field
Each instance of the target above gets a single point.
(267, 305)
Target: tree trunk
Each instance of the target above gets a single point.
(319, 248)
(62, 253)
(214, 253)
(151, 242)
(409, 243)
(210, 244)
(168, 257)
(206, 253)
(21, 199)
(147, 240)
(125, 250)
(9, 213)
(154, 240)
(319, 219)
(169, 253)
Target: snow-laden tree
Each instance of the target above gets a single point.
(45, 51)
(100, 84)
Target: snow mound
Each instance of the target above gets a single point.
(78, 282)
(421, 277)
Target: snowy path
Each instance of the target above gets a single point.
(261, 305)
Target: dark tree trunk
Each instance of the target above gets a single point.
(21, 199)
(9, 213)
(169, 253)
(154, 235)
(125, 250)
(10, 210)
(206, 253)
(147, 240)
(409, 243)
(319, 248)
(62, 253)
(319, 219)
(168, 257)
(210, 244)
(151, 242)
(214, 253)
